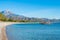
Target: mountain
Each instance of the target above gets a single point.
(11, 16)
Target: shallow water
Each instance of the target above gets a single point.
(33, 32)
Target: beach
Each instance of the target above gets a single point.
(3, 29)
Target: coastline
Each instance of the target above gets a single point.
(3, 29)
(4, 36)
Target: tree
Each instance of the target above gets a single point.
(2, 17)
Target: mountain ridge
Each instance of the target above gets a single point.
(13, 16)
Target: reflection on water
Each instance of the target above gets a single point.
(33, 32)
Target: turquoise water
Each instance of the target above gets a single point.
(33, 32)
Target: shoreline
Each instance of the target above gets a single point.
(4, 35)
(3, 25)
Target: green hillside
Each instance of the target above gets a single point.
(2, 17)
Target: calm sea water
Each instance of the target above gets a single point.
(33, 32)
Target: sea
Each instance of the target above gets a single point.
(33, 31)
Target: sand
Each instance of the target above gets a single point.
(3, 29)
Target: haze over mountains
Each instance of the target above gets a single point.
(11, 15)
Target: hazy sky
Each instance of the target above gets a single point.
(33, 8)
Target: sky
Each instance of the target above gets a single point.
(33, 8)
